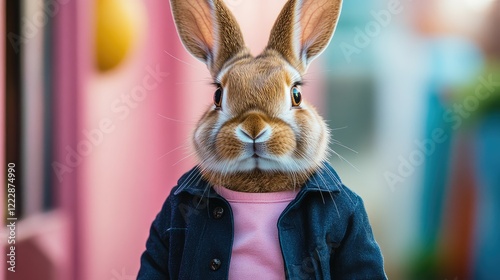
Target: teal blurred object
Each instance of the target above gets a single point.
(486, 263)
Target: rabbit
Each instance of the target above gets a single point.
(259, 125)
(260, 138)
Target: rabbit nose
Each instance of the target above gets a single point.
(253, 130)
(251, 138)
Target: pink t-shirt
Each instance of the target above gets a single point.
(256, 248)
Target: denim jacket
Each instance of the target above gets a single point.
(324, 233)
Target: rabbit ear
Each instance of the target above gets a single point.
(303, 30)
(208, 30)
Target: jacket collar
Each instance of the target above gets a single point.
(324, 179)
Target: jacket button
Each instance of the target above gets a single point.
(218, 212)
(215, 264)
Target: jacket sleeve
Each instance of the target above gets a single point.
(358, 256)
(154, 261)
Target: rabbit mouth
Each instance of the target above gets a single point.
(255, 152)
(256, 162)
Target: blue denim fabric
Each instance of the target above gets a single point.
(324, 233)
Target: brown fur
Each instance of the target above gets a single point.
(250, 76)
(254, 123)
(258, 181)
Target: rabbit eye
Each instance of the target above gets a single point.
(218, 98)
(296, 96)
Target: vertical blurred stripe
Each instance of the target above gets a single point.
(49, 196)
(13, 119)
(33, 101)
(66, 107)
(456, 233)
(486, 264)
(3, 77)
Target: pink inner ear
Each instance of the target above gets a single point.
(317, 22)
(194, 23)
(309, 20)
(208, 30)
(202, 23)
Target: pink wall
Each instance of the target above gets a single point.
(123, 181)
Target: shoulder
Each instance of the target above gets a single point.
(325, 189)
(178, 204)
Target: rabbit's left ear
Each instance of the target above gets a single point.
(303, 30)
(208, 30)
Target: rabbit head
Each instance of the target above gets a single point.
(259, 135)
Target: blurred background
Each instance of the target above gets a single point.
(100, 98)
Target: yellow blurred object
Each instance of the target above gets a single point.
(120, 24)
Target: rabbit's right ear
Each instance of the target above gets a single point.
(303, 30)
(208, 30)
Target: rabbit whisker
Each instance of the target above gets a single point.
(188, 156)
(344, 159)
(185, 146)
(180, 60)
(337, 128)
(175, 120)
(336, 142)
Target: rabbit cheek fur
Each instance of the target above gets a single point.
(257, 99)
(256, 139)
